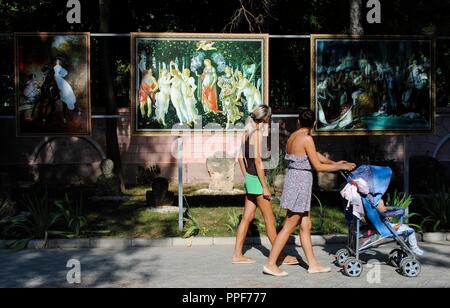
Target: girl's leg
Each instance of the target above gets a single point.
(241, 234)
(305, 238)
(291, 223)
(269, 218)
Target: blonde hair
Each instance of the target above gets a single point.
(259, 115)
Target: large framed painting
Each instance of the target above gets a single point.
(372, 85)
(196, 82)
(52, 78)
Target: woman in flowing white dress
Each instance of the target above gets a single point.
(176, 96)
(188, 90)
(66, 94)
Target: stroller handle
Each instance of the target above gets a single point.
(346, 174)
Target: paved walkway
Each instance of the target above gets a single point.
(202, 267)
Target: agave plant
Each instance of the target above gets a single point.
(72, 215)
(404, 201)
(437, 217)
(192, 227)
(35, 223)
(401, 200)
(233, 221)
(6, 212)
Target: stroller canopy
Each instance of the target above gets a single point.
(378, 179)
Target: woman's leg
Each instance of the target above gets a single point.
(269, 218)
(291, 223)
(241, 234)
(305, 238)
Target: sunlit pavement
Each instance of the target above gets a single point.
(205, 267)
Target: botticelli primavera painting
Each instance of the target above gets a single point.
(196, 81)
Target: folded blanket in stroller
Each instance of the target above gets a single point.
(350, 193)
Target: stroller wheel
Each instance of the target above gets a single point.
(410, 267)
(342, 256)
(353, 267)
(396, 257)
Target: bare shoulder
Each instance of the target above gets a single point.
(307, 139)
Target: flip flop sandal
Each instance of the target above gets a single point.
(321, 271)
(244, 262)
(267, 271)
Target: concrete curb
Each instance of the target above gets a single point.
(125, 243)
(435, 237)
(113, 243)
(151, 242)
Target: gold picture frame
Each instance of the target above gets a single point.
(48, 105)
(392, 103)
(201, 46)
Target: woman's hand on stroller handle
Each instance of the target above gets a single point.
(347, 166)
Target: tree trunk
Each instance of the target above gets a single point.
(356, 26)
(362, 144)
(107, 92)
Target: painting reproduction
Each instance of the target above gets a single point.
(372, 85)
(196, 81)
(52, 84)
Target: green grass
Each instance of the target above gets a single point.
(131, 219)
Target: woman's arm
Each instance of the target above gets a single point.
(242, 165)
(313, 156)
(325, 160)
(259, 163)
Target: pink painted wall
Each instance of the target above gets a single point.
(73, 155)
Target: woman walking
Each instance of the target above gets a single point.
(296, 198)
(257, 190)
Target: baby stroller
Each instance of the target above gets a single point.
(403, 258)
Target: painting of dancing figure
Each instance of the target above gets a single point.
(196, 80)
(52, 84)
(372, 85)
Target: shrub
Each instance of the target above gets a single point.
(33, 224)
(192, 226)
(72, 215)
(437, 212)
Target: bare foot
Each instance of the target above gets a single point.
(242, 260)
